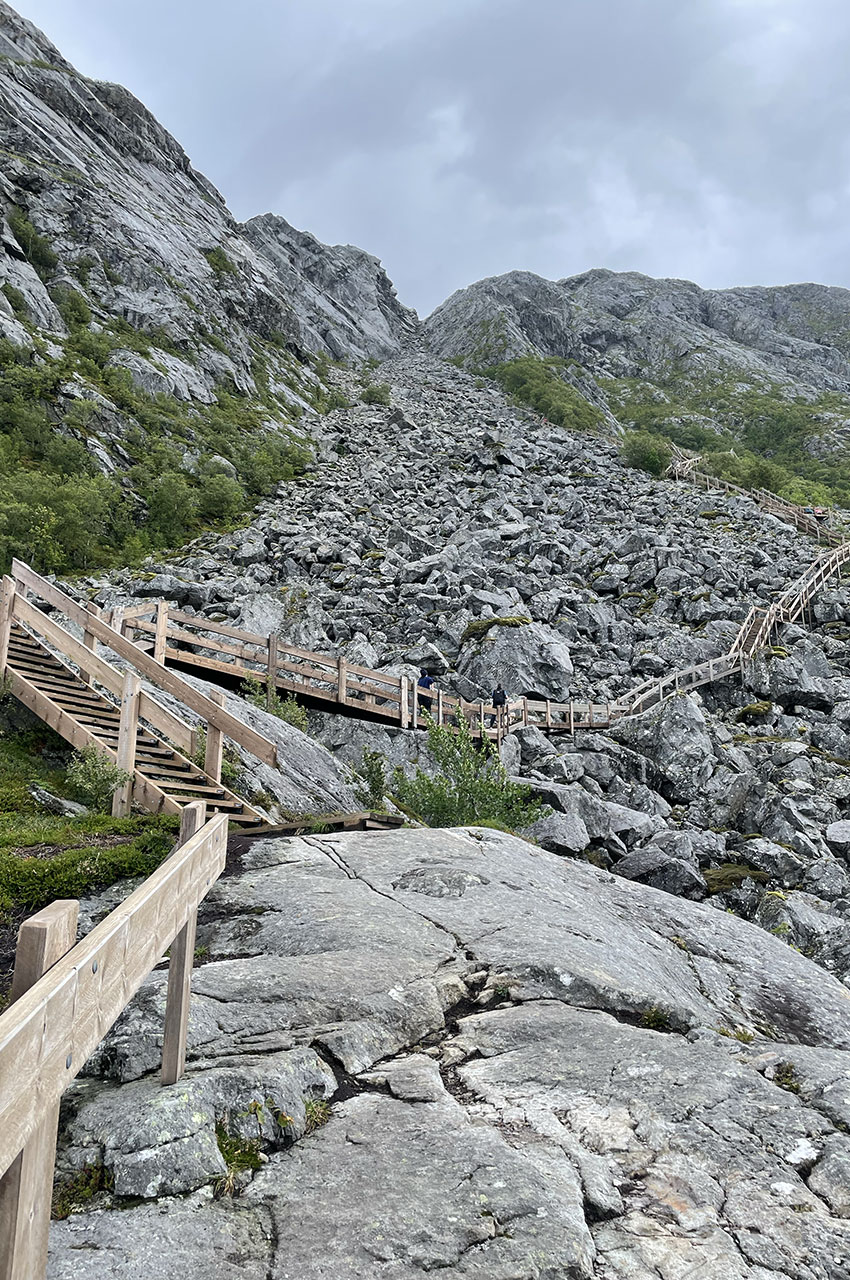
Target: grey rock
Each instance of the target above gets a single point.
(55, 804)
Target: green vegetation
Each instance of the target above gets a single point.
(241, 1155)
(317, 1112)
(17, 302)
(731, 875)
(220, 263)
(376, 393)
(287, 708)
(755, 437)
(645, 452)
(471, 787)
(478, 628)
(98, 851)
(541, 383)
(79, 1189)
(60, 514)
(785, 1076)
(655, 1019)
(370, 779)
(36, 248)
(94, 779)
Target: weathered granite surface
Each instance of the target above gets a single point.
(536, 1069)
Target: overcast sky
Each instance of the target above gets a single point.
(455, 139)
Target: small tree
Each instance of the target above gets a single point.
(645, 452)
(94, 778)
(472, 785)
(370, 779)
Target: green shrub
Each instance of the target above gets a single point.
(73, 308)
(542, 384)
(16, 301)
(36, 248)
(172, 507)
(94, 778)
(471, 786)
(376, 393)
(219, 261)
(645, 452)
(28, 884)
(221, 498)
(287, 708)
(371, 779)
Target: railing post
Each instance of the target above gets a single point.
(215, 742)
(7, 604)
(127, 729)
(180, 968)
(404, 710)
(160, 635)
(439, 706)
(525, 711)
(341, 680)
(271, 672)
(26, 1189)
(90, 641)
(481, 719)
(414, 711)
(548, 714)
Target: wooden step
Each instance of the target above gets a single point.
(219, 792)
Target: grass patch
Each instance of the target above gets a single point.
(317, 1112)
(478, 628)
(241, 1155)
(731, 875)
(542, 384)
(78, 1191)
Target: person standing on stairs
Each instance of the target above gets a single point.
(500, 701)
(425, 681)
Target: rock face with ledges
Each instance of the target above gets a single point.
(622, 324)
(526, 1071)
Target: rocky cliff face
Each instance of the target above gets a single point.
(109, 229)
(626, 325)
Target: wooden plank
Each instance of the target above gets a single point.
(26, 1188)
(145, 793)
(145, 664)
(271, 671)
(7, 601)
(180, 968)
(126, 753)
(90, 642)
(47, 1036)
(215, 745)
(160, 628)
(110, 677)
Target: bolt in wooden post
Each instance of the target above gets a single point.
(127, 729)
(180, 963)
(160, 635)
(404, 710)
(215, 742)
(26, 1188)
(7, 604)
(271, 673)
(341, 680)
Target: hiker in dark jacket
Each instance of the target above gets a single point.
(499, 699)
(425, 681)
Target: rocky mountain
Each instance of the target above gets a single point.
(626, 325)
(143, 330)
(614, 1045)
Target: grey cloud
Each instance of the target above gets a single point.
(704, 138)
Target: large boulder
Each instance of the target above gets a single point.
(531, 659)
(674, 737)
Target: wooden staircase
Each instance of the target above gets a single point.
(81, 714)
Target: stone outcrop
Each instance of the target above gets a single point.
(626, 325)
(610, 1081)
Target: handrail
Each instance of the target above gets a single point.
(50, 1031)
(168, 681)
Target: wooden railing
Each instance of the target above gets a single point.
(65, 999)
(97, 627)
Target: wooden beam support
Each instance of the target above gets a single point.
(271, 671)
(26, 1189)
(160, 633)
(341, 680)
(126, 755)
(215, 743)
(7, 603)
(180, 968)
